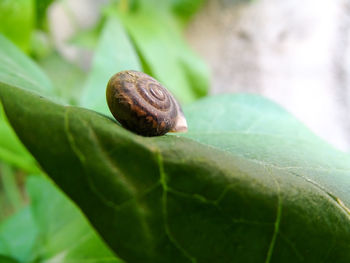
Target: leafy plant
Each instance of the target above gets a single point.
(247, 183)
(38, 233)
(22, 14)
(263, 187)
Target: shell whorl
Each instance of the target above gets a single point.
(142, 104)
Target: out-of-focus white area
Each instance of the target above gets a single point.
(66, 18)
(296, 52)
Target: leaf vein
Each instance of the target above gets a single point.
(172, 239)
(277, 223)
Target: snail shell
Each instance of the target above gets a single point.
(142, 105)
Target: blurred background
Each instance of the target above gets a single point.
(295, 52)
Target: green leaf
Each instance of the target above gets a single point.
(12, 196)
(64, 232)
(114, 53)
(160, 44)
(52, 228)
(18, 70)
(86, 39)
(12, 150)
(41, 8)
(17, 21)
(67, 77)
(18, 236)
(247, 183)
(185, 9)
(5, 259)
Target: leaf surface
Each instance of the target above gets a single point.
(247, 183)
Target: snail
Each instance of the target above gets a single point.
(142, 105)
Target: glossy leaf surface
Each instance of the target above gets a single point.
(247, 183)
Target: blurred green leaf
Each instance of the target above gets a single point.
(12, 150)
(52, 229)
(67, 77)
(65, 234)
(5, 259)
(18, 236)
(17, 21)
(247, 183)
(88, 38)
(113, 54)
(41, 7)
(10, 187)
(40, 45)
(18, 70)
(185, 9)
(160, 44)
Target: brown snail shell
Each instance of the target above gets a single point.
(141, 104)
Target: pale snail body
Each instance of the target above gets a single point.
(141, 104)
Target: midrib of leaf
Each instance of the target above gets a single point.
(163, 180)
(110, 164)
(278, 219)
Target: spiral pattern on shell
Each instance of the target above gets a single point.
(141, 104)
